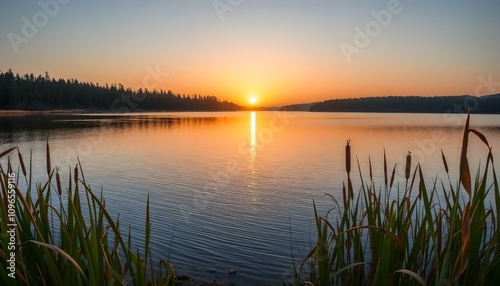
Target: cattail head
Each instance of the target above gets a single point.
(444, 161)
(348, 157)
(76, 175)
(21, 161)
(408, 165)
(58, 180)
(7, 152)
(49, 167)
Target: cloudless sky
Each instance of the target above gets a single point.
(279, 51)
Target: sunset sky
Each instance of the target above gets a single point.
(280, 52)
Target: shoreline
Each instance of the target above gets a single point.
(20, 112)
(24, 112)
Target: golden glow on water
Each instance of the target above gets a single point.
(253, 173)
(253, 149)
(253, 139)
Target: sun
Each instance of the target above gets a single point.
(253, 100)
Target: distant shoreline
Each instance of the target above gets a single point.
(408, 112)
(488, 104)
(9, 113)
(15, 112)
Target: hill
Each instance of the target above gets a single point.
(489, 104)
(298, 107)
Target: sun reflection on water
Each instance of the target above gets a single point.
(253, 139)
(253, 149)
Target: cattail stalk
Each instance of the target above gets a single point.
(344, 196)
(370, 164)
(348, 168)
(385, 170)
(348, 157)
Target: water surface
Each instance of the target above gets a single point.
(234, 190)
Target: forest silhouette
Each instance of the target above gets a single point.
(488, 104)
(30, 92)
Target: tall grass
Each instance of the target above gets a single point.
(67, 237)
(412, 237)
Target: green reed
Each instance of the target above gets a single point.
(416, 239)
(64, 240)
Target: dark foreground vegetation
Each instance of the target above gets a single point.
(446, 233)
(489, 104)
(443, 234)
(65, 236)
(30, 92)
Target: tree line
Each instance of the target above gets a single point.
(413, 104)
(30, 92)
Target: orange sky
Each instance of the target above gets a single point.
(280, 52)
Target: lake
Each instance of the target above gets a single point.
(235, 190)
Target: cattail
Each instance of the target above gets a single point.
(392, 176)
(76, 175)
(385, 169)
(21, 161)
(444, 161)
(348, 157)
(9, 165)
(408, 165)
(344, 196)
(58, 180)
(48, 158)
(7, 152)
(349, 188)
(371, 173)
